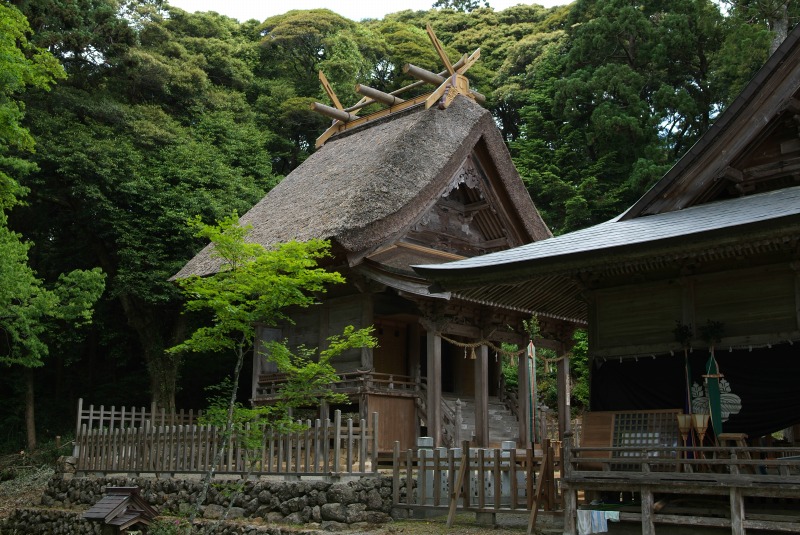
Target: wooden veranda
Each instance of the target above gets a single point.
(739, 488)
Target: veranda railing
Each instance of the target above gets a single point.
(324, 447)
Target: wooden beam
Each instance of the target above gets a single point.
(469, 62)
(329, 90)
(377, 95)
(734, 175)
(342, 126)
(339, 115)
(429, 77)
(440, 50)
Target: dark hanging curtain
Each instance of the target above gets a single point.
(765, 380)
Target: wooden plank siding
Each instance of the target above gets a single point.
(645, 313)
(756, 305)
(312, 326)
(752, 301)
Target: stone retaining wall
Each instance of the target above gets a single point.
(317, 504)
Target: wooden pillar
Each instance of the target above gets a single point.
(482, 397)
(570, 494)
(261, 364)
(413, 346)
(564, 388)
(648, 526)
(367, 318)
(524, 393)
(434, 402)
(737, 511)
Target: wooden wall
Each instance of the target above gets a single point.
(757, 305)
(312, 326)
(391, 354)
(396, 421)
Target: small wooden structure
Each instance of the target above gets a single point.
(120, 509)
(415, 183)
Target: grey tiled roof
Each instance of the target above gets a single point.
(645, 230)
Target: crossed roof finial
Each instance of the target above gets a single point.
(451, 82)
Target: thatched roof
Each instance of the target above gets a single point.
(366, 187)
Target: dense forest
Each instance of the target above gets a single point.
(122, 119)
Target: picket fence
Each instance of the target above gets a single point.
(134, 442)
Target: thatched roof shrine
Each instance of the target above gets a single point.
(369, 186)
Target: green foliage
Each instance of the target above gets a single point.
(254, 285)
(579, 370)
(23, 66)
(164, 525)
(460, 5)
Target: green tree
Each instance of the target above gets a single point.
(459, 5)
(614, 101)
(131, 147)
(29, 311)
(255, 286)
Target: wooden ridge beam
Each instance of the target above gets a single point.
(377, 95)
(339, 115)
(428, 77)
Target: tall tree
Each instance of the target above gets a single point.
(131, 147)
(625, 91)
(28, 310)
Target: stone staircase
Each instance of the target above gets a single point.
(502, 423)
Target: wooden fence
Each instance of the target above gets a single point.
(126, 417)
(482, 480)
(323, 448)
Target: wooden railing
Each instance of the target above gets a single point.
(732, 472)
(356, 382)
(322, 448)
(452, 420)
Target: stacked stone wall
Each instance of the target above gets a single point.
(316, 505)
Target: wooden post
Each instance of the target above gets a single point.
(455, 490)
(434, 384)
(737, 511)
(396, 473)
(570, 494)
(459, 420)
(375, 442)
(648, 526)
(563, 395)
(337, 441)
(482, 397)
(523, 399)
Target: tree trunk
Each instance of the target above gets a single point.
(162, 368)
(30, 419)
(779, 24)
